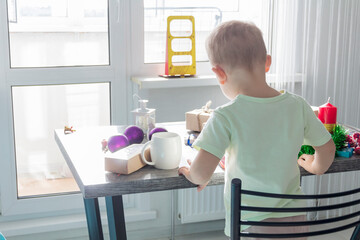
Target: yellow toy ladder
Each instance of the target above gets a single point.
(171, 68)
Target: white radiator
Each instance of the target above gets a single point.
(337, 183)
(208, 204)
(201, 206)
(129, 200)
(332, 183)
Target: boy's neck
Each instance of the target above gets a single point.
(251, 84)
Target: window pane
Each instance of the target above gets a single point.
(208, 14)
(12, 11)
(42, 8)
(95, 8)
(38, 110)
(48, 33)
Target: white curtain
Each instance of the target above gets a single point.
(318, 43)
(286, 63)
(332, 56)
(319, 40)
(332, 69)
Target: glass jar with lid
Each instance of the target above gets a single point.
(144, 117)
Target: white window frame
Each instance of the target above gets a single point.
(139, 68)
(69, 23)
(115, 74)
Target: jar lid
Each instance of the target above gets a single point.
(143, 103)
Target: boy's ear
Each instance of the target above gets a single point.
(220, 74)
(267, 63)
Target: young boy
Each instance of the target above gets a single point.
(260, 130)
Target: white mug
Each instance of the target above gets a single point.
(165, 150)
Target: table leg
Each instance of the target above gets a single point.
(356, 233)
(93, 218)
(173, 213)
(116, 219)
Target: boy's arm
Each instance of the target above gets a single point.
(320, 162)
(201, 168)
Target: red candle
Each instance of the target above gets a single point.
(327, 115)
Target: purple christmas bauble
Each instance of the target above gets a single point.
(117, 142)
(155, 130)
(134, 134)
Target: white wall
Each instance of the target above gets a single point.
(172, 103)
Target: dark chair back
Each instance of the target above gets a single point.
(236, 208)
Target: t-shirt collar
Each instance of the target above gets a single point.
(283, 94)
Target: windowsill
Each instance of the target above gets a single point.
(161, 82)
(145, 82)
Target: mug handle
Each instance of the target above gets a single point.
(143, 154)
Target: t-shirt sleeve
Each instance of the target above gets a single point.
(315, 133)
(215, 137)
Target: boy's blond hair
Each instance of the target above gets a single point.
(236, 44)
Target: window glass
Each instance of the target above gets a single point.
(49, 33)
(42, 8)
(38, 110)
(95, 9)
(12, 11)
(207, 14)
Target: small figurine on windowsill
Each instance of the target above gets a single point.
(68, 130)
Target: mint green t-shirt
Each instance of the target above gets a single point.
(261, 139)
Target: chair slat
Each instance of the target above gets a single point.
(298, 235)
(300, 209)
(236, 221)
(298, 196)
(300, 223)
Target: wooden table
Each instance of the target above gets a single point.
(83, 154)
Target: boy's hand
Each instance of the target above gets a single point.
(186, 172)
(305, 161)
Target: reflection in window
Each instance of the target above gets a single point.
(95, 9)
(47, 33)
(38, 110)
(207, 14)
(42, 8)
